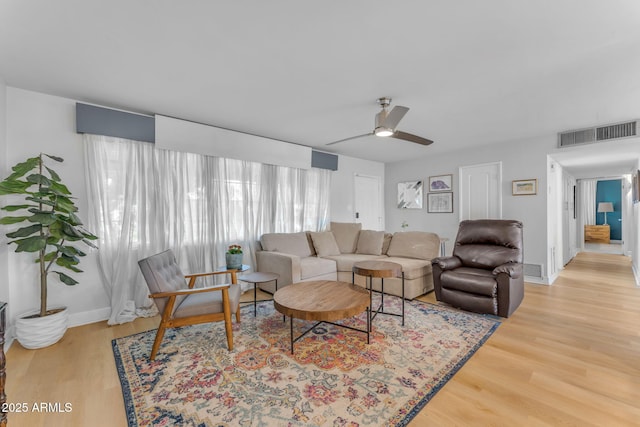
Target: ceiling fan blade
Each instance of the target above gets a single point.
(411, 138)
(350, 138)
(395, 115)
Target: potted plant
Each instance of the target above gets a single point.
(50, 230)
(234, 257)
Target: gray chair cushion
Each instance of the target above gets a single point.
(207, 303)
(162, 274)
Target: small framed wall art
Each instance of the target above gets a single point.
(524, 187)
(440, 202)
(441, 183)
(410, 195)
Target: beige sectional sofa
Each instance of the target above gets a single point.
(330, 255)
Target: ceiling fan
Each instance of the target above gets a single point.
(385, 125)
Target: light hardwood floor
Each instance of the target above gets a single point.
(569, 356)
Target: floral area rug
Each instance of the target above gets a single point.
(334, 378)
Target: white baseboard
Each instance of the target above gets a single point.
(636, 277)
(536, 280)
(86, 317)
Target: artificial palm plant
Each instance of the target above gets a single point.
(51, 226)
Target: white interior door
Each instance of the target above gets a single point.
(480, 191)
(368, 201)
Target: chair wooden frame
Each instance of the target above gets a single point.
(168, 321)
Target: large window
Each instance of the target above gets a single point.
(144, 200)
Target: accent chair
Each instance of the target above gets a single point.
(181, 304)
(485, 273)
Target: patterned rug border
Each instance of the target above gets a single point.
(128, 395)
(445, 379)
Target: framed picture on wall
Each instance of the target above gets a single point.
(524, 187)
(410, 195)
(440, 183)
(440, 202)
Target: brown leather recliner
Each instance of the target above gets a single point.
(485, 273)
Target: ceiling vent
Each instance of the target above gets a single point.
(597, 134)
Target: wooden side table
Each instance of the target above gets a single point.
(257, 278)
(597, 234)
(379, 269)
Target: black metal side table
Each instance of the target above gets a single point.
(257, 278)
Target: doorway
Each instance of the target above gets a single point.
(604, 202)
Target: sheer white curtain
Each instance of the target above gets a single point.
(587, 203)
(588, 200)
(143, 200)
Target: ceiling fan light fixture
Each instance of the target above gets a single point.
(383, 131)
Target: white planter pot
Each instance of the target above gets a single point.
(39, 332)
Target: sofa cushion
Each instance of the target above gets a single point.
(370, 242)
(413, 268)
(386, 242)
(325, 243)
(313, 266)
(288, 243)
(346, 234)
(414, 244)
(345, 261)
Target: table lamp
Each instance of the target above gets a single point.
(605, 207)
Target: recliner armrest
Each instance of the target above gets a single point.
(512, 269)
(447, 262)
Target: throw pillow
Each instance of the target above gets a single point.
(346, 234)
(325, 243)
(370, 242)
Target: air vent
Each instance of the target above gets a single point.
(533, 270)
(596, 134)
(621, 130)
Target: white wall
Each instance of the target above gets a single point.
(4, 171)
(635, 231)
(342, 181)
(520, 160)
(42, 123)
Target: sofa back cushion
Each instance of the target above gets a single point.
(288, 243)
(386, 242)
(346, 234)
(414, 244)
(324, 243)
(370, 242)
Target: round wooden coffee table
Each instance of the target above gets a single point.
(324, 301)
(380, 269)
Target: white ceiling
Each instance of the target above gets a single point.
(472, 72)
